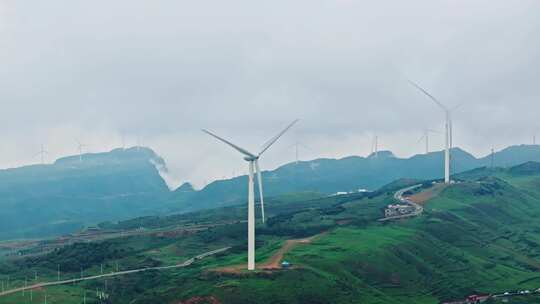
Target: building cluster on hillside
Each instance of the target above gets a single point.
(397, 209)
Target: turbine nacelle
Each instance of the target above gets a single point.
(448, 129)
(251, 158)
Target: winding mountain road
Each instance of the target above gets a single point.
(114, 274)
(399, 197)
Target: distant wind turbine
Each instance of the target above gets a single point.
(448, 130)
(297, 145)
(375, 145)
(253, 161)
(42, 153)
(80, 147)
(425, 137)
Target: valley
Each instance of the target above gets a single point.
(477, 236)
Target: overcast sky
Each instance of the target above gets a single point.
(100, 71)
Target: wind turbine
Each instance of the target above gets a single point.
(448, 130)
(253, 161)
(296, 146)
(375, 145)
(42, 153)
(80, 147)
(425, 137)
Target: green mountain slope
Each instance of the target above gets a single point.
(476, 236)
(350, 174)
(42, 200)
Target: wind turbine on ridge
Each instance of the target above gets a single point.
(42, 153)
(296, 146)
(80, 147)
(375, 145)
(448, 130)
(253, 163)
(425, 137)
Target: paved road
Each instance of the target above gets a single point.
(399, 197)
(114, 274)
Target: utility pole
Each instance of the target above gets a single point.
(116, 266)
(58, 273)
(25, 285)
(84, 296)
(31, 295)
(35, 275)
(101, 268)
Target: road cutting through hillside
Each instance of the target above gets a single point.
(114, 274)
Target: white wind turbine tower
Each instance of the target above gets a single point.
(253, 160)
(375, 145)
(448, 131)
(296, 146)
(42, 153)
(80, 147)
(425, 137)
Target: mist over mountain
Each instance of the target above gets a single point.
(58, 198)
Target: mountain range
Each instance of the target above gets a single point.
(73, 192)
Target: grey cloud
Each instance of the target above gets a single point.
(161, 70)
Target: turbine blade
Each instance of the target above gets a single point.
(237, 148)
(428, 95)
(421, 138)
(456, 107)
(275, 138)
(259, 180)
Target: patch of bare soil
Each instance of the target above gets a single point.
(422, 197)
(274, 262)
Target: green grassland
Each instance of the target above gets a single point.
(480, 235)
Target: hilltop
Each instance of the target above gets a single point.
(350, 174)
(63, 197)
